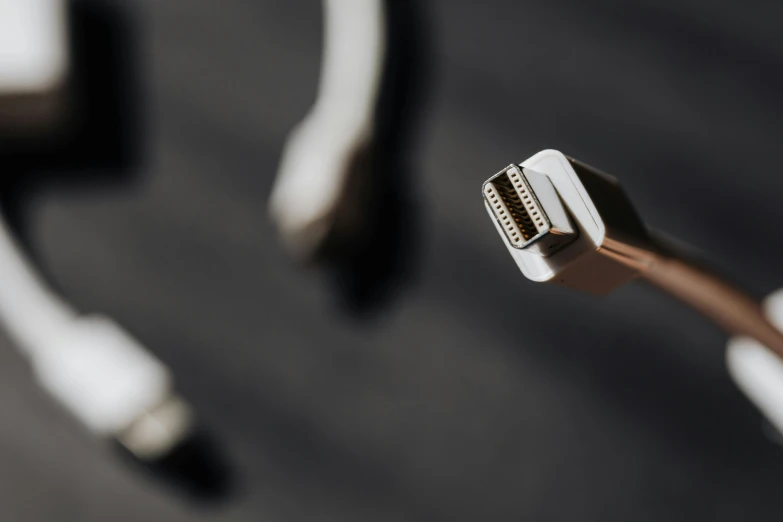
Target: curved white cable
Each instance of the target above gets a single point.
(103, 376)
(89, 364)
(318, 153)
(31, 313)
(757, 371)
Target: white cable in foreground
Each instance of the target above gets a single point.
(537, 206)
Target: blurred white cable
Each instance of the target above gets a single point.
(319, 152)
(757, 371)
(89, 364)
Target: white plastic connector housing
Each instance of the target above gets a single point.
(34, 63)
(579, 265)
(100, 374)
(756, 370)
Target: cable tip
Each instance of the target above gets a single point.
(167, 444)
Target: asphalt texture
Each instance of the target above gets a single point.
(469, 393)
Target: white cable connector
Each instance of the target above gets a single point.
(757, 371)
(114, 386)
(103, 376)
(609, 245)
(34, 63)
(319, 153)
(89, 364)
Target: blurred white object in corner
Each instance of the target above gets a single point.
(34, 63)
(314, 172)
(757, 371)
(89, 364)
